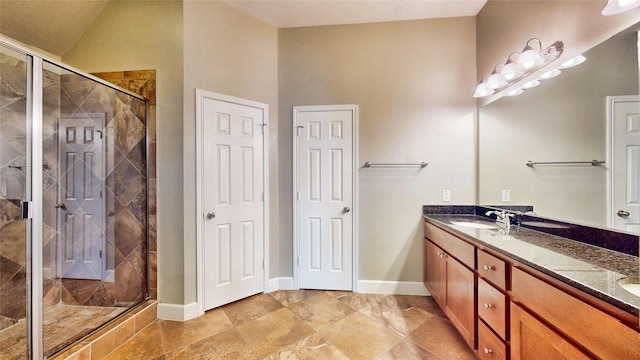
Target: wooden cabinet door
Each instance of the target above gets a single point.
(531, 339)
(434, 272)
(460, 299)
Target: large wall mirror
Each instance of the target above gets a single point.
(562, 119)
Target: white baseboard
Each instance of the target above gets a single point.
(280, 283)
(392, 287)
(177, 312)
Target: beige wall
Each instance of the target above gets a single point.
(148, 35)
(562, 119)
(412, 81)
(505, 26)
(227, 52)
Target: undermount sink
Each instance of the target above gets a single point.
(631, 285)
(475, 225)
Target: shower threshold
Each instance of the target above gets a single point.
(62, 325)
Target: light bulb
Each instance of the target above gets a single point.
(482, 90)
(530, 84)
(573, 62)
(530, 59)
(515, 92)
(496, 80)
(511, 71)
(550, 74)
(615, 7)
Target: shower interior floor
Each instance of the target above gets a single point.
(62, 324)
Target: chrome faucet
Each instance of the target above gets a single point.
(502, 217)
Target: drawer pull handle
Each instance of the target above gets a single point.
(488, 268)
(487, 306)
(487, 351)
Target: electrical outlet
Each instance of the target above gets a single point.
(446, 195)
(506, 195)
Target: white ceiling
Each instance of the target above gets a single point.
(299, 13)
(56, 25)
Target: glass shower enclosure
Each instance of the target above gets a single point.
(73, 203)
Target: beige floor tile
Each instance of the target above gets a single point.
(288, 297)
(355, 300)
(225, 345)
(439, 337)
(321, 310)
(360, 337)
(398, 316)
(274, 331)
(251, 308)
(177, 334)
(309, 348)
(147, 345)
(406, 350)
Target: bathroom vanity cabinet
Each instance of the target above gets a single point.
(451, 281)
(505, 309)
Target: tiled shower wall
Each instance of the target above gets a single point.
(143, 83)
(124, 229)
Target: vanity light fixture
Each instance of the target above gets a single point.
(550, 74)
(615, 7)
(511, 70)
(515, 92)
(530, 84)
(574, 61)
(516, 68)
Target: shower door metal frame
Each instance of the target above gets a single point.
(34, 188)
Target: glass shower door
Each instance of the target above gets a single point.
(14, 189)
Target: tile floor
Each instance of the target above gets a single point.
(305, 324)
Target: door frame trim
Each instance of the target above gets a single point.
(201, 95)
(355, 207)
(611, 143)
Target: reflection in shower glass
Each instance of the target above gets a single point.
(95, 201)
(13, 190)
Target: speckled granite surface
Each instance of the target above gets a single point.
(593, 269)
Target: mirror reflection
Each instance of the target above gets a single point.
(565, 119)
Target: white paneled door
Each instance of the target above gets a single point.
(625, 112)
(324, 195)
(81, 206)
(232, 203)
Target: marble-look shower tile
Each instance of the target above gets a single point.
(13, 303)
(128, 129)
(226, 345)
(251, 308)
(80, 290)
(126, 232)
(440, 338)
(178, 334)
(130, 286)
(321, 310)
(367, 338)
(8, 269)
(125, 182)
(274, 331)
(14, 340)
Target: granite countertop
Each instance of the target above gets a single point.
(595, 270)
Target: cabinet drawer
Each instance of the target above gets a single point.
(492, 307)
(489, 345)
(600, 333)
(492, 269)
(459, 249)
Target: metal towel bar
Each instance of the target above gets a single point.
(592, 163)
(420, 164)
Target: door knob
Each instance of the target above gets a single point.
(60, 206)
(623, 213)
(346, 209)
(211, 215)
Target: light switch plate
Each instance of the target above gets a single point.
(446, 195)
(506, 195)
